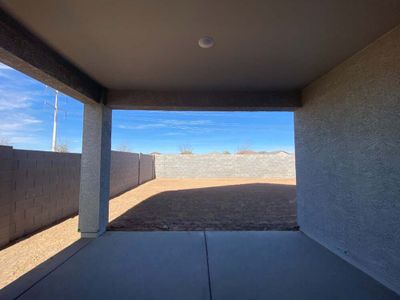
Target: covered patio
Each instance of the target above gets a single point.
(197, 265)
(334, 63)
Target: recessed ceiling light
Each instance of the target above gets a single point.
(206, 42)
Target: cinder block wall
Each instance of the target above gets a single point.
(146, 168)
(6, 193)
(348, 160)
(46, 186)
(124, 173)
(39, 188)
(276, 165)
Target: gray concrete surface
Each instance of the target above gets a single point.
(274, 165)
(95, 170)
(283, 265)
(177, 265)
(348, 162)
(26, 281)
(126, 265)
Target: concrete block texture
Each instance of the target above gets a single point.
(348, 162)
(273, 165)
(43, 182)
(146, 170)
(6, 195)
(124, 172)
(45, 188)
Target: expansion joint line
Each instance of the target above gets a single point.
(208, 265)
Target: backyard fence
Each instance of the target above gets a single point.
(269, 165)
(39, 188)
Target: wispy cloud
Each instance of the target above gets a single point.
(18, 122)
(186, 122)
(174, 134)
(13, 100)
(142, 126)
(6, 72)
(5, 67)
(19, 128)
(169, 124)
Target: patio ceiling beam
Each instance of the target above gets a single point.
(23, 51)
(202, 101)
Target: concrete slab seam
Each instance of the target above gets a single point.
(208, 265)
(51, 271)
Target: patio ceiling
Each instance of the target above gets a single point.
(146, 53)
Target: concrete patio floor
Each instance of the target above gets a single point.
(196, 265)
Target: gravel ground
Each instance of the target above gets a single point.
(162, 204)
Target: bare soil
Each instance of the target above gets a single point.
(169, 204)
(211, 204)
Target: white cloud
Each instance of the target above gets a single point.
(11, 101)
(5, 71)
(19, 128)
(143, 126)
(5, 67)
(187, 122)
(174, 134)
(171, 124)
(18, 122)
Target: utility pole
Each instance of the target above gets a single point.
(54, 141)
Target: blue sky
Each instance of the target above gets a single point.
(26, 122)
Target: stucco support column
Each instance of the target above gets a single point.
(95, 170)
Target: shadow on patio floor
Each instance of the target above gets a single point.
(256, 206)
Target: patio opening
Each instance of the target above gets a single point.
(213, 170)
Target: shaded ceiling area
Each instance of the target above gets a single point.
(259, 44)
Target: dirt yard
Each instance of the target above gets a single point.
(217, 204)
(169, 204)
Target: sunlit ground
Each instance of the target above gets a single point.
(27, 253)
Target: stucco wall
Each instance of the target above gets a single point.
(278, 165)
(348, 160)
